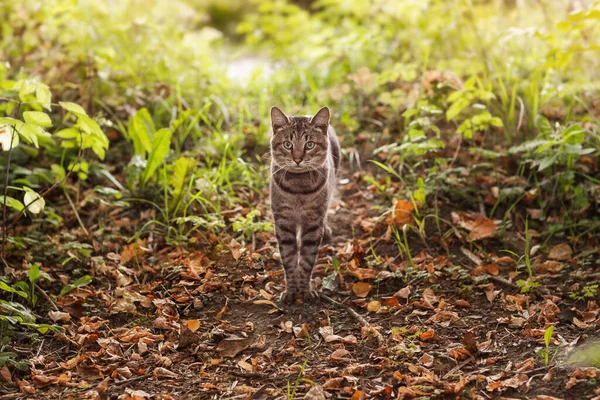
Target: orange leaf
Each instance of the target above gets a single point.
(373, 306)
(481, 228)
(361, 289)
(223, 311)
(192, 324)
(402, 212)
(492, 269)
(427, 335)
(359, 395)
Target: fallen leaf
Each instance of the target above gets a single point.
(478, 227)
(403, 293)
(425, 336)
(359, 395)
(220, 314)
(561, 252)
(192, 324)
(333, 383)
(245, 365)
(492, 269)
(402, 212)
(233, 346)
(266, 302)
(315, 393)
(516, 381)
(361, 289)
(136, 394)
(373, 306)
(160, 372)
(426, 360)
(340, 355)
(186, 337)
(59, 316)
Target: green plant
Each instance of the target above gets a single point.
(589, 291)
(545, 353)
(248, 226)
(474, 95)
(291, 391)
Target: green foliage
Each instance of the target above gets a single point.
(545, 353)
(77, 283)
(248, 226)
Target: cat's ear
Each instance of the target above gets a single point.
(278, 118)
(321, 119)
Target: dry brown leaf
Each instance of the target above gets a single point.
(430, 297)
(245, 366)
(233, 346)
(160, 372)
(561, 252)
(59, 316)
(131, 394)
(403, 293)
(315, 393)
(186, 337)
(478, 227)
(340, 355)
(266, 302)
(5, 374)
(266, 294)
(481, 228)
(361, 289)
(516, 381)
(333, 383)
(426, 360)
(492, 269)
(220, 314)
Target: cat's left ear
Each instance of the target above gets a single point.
(321, 119)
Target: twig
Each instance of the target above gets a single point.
(130, 380)
(458, 367)
(76, 213)
(477, 260)
(350, 311)
(45, 295)
(249, 375)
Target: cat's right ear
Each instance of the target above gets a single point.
(278, 118)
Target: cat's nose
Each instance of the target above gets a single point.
(297, 161)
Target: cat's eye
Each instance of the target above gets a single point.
(287, 145)
(309, 145)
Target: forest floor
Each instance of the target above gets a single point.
(204, 322)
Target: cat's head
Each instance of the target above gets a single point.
(299, 143)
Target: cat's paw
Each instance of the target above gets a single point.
(288, 297)
(308, 295)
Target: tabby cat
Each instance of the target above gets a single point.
(305, 155)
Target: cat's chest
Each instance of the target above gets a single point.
(300, 187)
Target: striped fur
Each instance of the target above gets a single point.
(303, 178)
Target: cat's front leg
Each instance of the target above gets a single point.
(310, 240)
(285, 232)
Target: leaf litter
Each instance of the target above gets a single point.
(171, 322)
